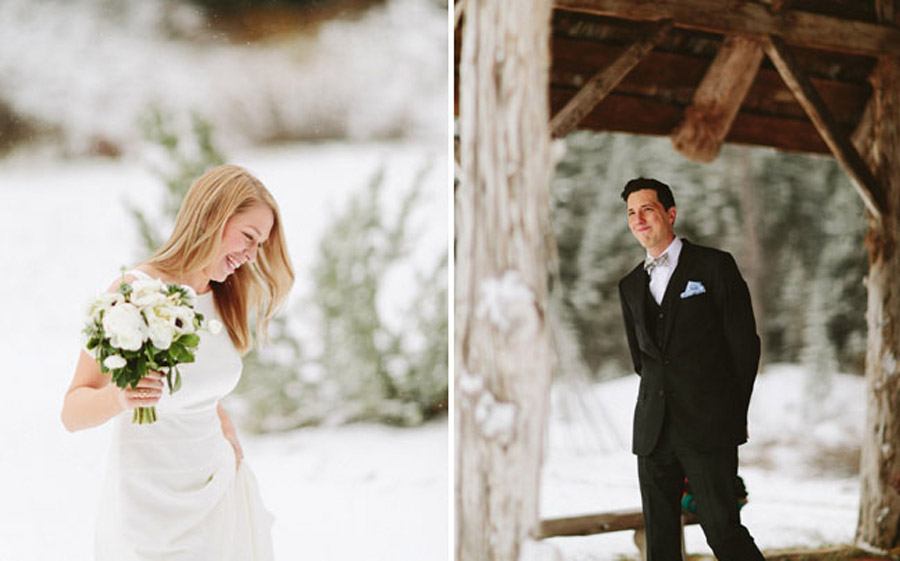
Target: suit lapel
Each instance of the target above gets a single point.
(674, 288)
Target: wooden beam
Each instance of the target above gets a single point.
(717, 99)
(590, 524)
(603, 82)
(885, 11)
(641, 115)
(863, 137)
(674, 77)
(801, 29)
(869, 189)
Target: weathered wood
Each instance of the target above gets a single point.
(802, 29)
(885, 11)
(639, 115)
(879, 511)
(589, 524)
(503, 356)
(599, 86)
(718, 98)
(674, 77)
(867, 186)
(863, 138)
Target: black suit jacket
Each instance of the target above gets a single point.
(700, 376)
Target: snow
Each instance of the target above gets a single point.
(355, 492)
(91, 71)
(799, 495)
(506, 302)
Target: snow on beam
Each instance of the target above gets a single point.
(867, 185)
(717, 99)
(801, 29)
(603, 82)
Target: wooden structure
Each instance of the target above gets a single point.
(819, 76)
(590, 524)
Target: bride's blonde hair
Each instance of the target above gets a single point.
(262, 286)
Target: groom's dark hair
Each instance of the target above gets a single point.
(663, 193)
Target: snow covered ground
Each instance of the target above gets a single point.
(356, 492)
(798, 464)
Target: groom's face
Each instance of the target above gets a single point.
(651, 224)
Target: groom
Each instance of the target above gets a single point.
(693, 341)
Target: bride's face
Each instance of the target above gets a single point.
(244, 234)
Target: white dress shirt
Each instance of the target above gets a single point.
(660, 275)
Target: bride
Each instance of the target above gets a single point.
(177, 489)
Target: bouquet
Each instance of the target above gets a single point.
(145, 325)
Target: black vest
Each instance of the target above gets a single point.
(654, 316)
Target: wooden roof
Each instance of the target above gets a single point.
(835, 43)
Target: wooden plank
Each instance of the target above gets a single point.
(591, 524)
(717, 100)
(640, 115)
(839, 143)
(605, 80)
(803, 29)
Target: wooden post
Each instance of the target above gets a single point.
(879, 511)
(503, 357)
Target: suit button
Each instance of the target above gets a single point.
(667, 361)
(662, 393)
(660, 315)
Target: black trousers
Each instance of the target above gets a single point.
(712, 478)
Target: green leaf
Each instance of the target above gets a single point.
(189, 340)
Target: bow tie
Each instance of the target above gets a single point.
(653, 262)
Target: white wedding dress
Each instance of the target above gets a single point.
(172, 492)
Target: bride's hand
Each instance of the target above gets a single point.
(145, 394)
(238, 451)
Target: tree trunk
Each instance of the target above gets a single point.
(879, 512)
(503, 353)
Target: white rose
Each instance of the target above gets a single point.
(148, 299)
(147, 292)
(214, 326)
(161, 333)
(125, 327)
(113, 362)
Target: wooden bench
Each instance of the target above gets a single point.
(603, 523)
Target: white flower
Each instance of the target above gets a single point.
(190, 296)
(125, 327)
(214, 326)
(185, 316)
(147, 292)
(161, 332)
(104, 302)
(114, 361)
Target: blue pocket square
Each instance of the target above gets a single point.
(693, 288)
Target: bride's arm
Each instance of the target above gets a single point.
(91, 400)
(230, 433)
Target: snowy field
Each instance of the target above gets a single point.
(798, 464)
(340, 493)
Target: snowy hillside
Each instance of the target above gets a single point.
(798, 465)
(90, 71)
